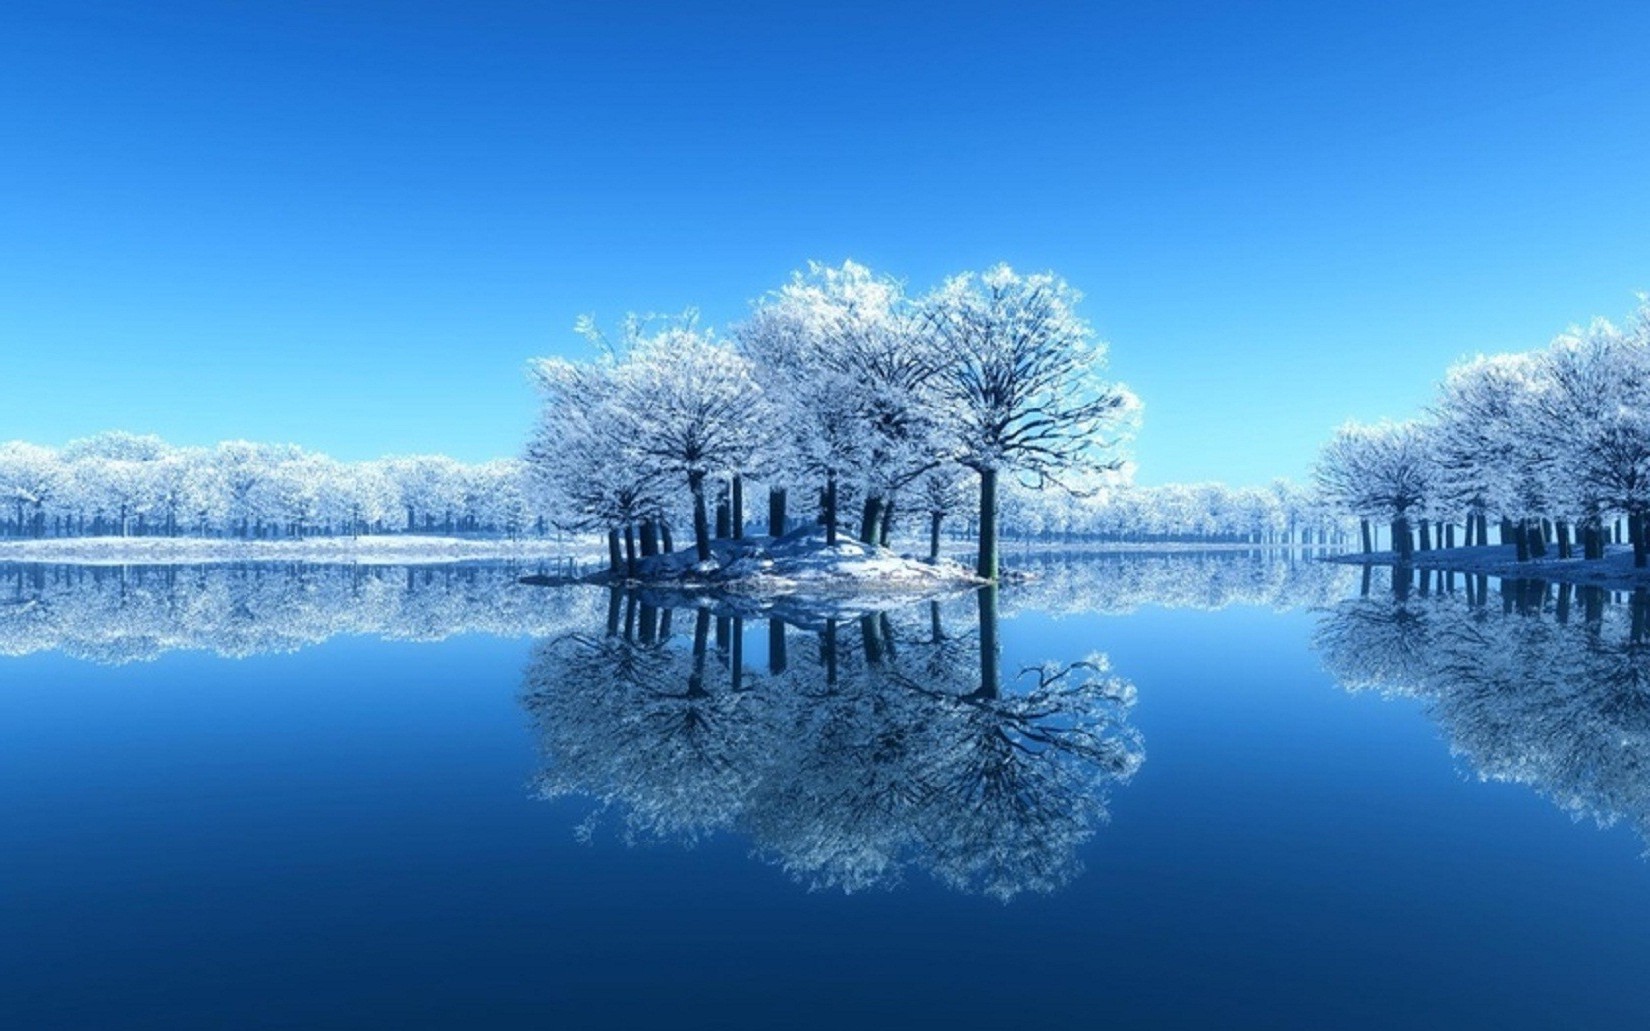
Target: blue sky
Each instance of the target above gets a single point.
(349, 225)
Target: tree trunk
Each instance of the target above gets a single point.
(1520, 537)
(723, 523)
(987, 567)
(666, 542)
(887, 523)
(1635, 531)
(1426, 535)
(615, 553)
(1368, 539)
(1538, 538)
(1402, 544)
(650, 538)
(776, 512)
(630, 550)
(737, 516)
(829, 508)
(1561, 529)
(934, 521)
(701, 518)
(870, 523)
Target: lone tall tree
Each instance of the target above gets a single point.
(1023, 391)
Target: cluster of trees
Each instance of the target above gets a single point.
(840, 394)
(1552, 445)
(1532, 683)
(124, 484)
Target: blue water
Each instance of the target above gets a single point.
(352, 831)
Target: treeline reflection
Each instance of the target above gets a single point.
(1545, 685)
(849, 752)
(116, 614)
(120, 614)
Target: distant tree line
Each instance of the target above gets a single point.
(1551, 447)
(126, 485)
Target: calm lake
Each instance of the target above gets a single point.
(1221, 790)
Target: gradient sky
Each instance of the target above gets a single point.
(349, 225)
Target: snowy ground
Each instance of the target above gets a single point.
(395, 549)
(764, 573)
(1615, 570)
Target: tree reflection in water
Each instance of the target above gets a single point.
(1534, 683)
(888, 744)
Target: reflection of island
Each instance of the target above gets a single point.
(855, 751)
(129, 613)
(1538, 684)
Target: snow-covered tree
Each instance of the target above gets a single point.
(1022, 392)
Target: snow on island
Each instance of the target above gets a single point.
(800, 564)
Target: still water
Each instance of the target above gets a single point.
(1219, 790)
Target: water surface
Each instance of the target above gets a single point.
(1153, 791)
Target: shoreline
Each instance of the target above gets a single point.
(1615, 570)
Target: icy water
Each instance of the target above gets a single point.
(1216, 791)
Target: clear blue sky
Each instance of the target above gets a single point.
(349, 225)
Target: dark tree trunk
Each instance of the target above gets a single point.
(701, 518)
(1426, 535)
(650, 538)
(1368, 538)
(737, 515)
(1635, 532)
(1538, 538)
(887, 523)
(630, 550)
(828, 508)
(666, 542)
(987, 567)
(870, 523)
(723, 522)
(1520, 538)
(615, 553)
(776, 512)
(934, 521)
(1402, 544)
(1561, 530)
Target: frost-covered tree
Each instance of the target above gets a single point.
(852, 373)
(690, 407)
(1022, 392)
(587, 453)
(30, 477)
(1382, 470)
